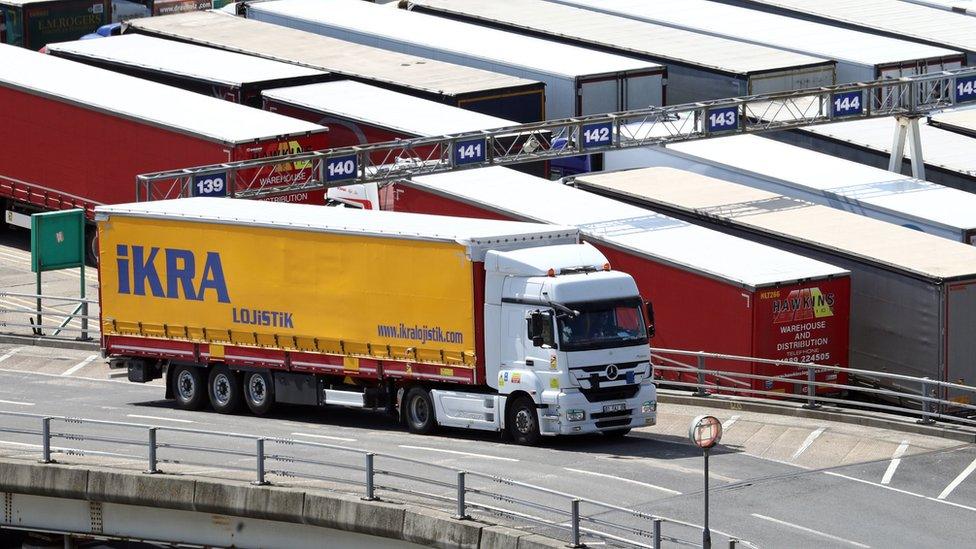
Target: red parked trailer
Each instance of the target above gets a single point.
(76, 136)
(710, 291)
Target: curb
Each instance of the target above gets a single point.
(829, 413)
(50, 343)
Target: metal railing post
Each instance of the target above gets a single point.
(701, 392)
(370, 487)
(656, 533)
(575, 524)
(259, 463)
(152, 452)
(46, 440)
(811, 389)
(461, 511)
(732, 543)
(926, 418)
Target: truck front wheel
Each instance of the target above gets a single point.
(258, 392)
(225, 390)
(419, 411)
(189, 388)
(523, 421)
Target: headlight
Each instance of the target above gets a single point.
(649, 406)
(575, 415)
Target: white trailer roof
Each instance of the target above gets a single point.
(307, 217)
(890, 16)
(135, 98)
(642, 38)
(385, 109)
(497, 46)
(169, 56)
(837, 178)
(942, 148)
(967, 7)
(959, 120)
(768, 29)
(627, 227)
(323, 53)
(862, 238)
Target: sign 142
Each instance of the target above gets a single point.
(597, 135)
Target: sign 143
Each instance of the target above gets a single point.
(722, 120)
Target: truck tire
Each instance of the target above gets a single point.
(617, 433)
(225, 390)
(91, 245)
(418, 411)
(258, 392)
(189, 388)
(523, 421)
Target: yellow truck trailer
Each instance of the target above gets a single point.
(444, 321)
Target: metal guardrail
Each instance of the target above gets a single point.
(575, 517)
(66, 315)
(929, 400)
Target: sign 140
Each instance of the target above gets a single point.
(722, 120)
(213, 184)
(341, 168)
(847, 104)
(966, 89)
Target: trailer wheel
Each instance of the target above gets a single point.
(617, 433)
(225, 390)
(419, 411)
(189, 389)
(258, 392)
(91, 245)
(523, 421)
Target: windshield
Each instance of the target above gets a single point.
(602, 324)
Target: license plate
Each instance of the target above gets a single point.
(614, 407)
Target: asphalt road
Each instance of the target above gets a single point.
(776, 481)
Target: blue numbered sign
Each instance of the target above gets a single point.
(722, 120)
(213, 184)
(966, 89)
(597, 135)
(341, 168)
(469, 151)
(847, 104)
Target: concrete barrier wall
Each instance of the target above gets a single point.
(111, 494)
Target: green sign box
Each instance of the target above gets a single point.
(57, 240)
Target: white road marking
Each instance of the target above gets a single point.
(644, 484)
(79, 366)
(161, 418)
(811, 531)
(456, 452)
(16, 403)
(900, 491)
(10, 353)
(729, 422)
(326, 437)
(958, 480)
(774, 460)
(806, 443)
(895, 462)
(45, 374)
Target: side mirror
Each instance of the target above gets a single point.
(650, 319)
(536, 328)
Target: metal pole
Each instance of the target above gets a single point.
(152, 452)
(575, 542)
(811, 389)
(46, 440)
(706, 534)
(370, 489)
(732, 543)
(37, 330)
(926, 420)
(701, 377)
(84, 304)
(461, 514)
(656, 525)
(259, 465)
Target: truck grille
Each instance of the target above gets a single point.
(613, 423)
(619, 392)
(607, 415)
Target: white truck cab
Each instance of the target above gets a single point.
(566, 343)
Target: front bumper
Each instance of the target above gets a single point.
(554, 418)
